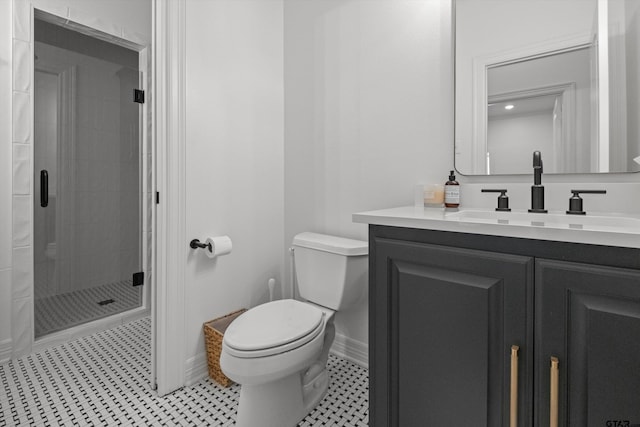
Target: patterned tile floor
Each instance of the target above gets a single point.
(101, 380)
(58, 312)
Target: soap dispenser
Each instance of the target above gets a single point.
(452, 192)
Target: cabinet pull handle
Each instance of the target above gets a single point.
(553, 399)
(514, 387)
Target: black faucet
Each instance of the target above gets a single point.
(537, 189)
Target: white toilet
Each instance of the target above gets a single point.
(278, 351)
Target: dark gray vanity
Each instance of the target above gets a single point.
(522, 318)
(446, 308)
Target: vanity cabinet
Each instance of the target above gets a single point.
(446, 309)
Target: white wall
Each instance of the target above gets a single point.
(234, 157)
(6, 171)
(513, 135)
(368, 113)
(132, 15)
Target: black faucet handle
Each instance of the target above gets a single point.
(503, 199)
(575, 202)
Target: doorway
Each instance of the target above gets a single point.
(87, 179)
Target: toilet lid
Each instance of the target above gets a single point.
(273, 325)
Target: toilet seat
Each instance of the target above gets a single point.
(273, 328)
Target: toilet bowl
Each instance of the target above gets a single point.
(269, 370)
(278, 351)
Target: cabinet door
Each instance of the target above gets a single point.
(589, 318)
(442, 323)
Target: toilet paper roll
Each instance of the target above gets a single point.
(220, 245)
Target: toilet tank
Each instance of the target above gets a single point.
(331, 271)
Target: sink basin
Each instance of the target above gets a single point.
(610, 223)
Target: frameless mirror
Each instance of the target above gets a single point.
(557, 76)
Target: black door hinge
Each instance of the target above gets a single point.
(157, 197)
(138, 96)
(138, 278)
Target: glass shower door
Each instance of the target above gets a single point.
(87, 179)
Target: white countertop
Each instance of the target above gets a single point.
(609, 230)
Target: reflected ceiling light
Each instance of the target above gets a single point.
(509, 107)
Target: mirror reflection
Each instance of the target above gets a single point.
(557, 76)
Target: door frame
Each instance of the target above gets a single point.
(169, 311)
(24, 13)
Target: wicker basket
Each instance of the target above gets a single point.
(213, 332)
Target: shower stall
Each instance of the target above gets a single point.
(88, 170)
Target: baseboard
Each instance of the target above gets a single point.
(196, 369)
(350, 349)
(5, 351)
(355, 351)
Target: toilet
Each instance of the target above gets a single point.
(278, 351)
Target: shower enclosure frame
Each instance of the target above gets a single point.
(22, 328)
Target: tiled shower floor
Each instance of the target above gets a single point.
(58, 312)
(101, 380)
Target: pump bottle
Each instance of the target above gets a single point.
(452, 192)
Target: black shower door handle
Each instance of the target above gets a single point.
(44, 188)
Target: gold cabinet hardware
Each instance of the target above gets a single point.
(553, 399)
(513, 417)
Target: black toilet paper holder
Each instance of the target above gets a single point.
(196, 243)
